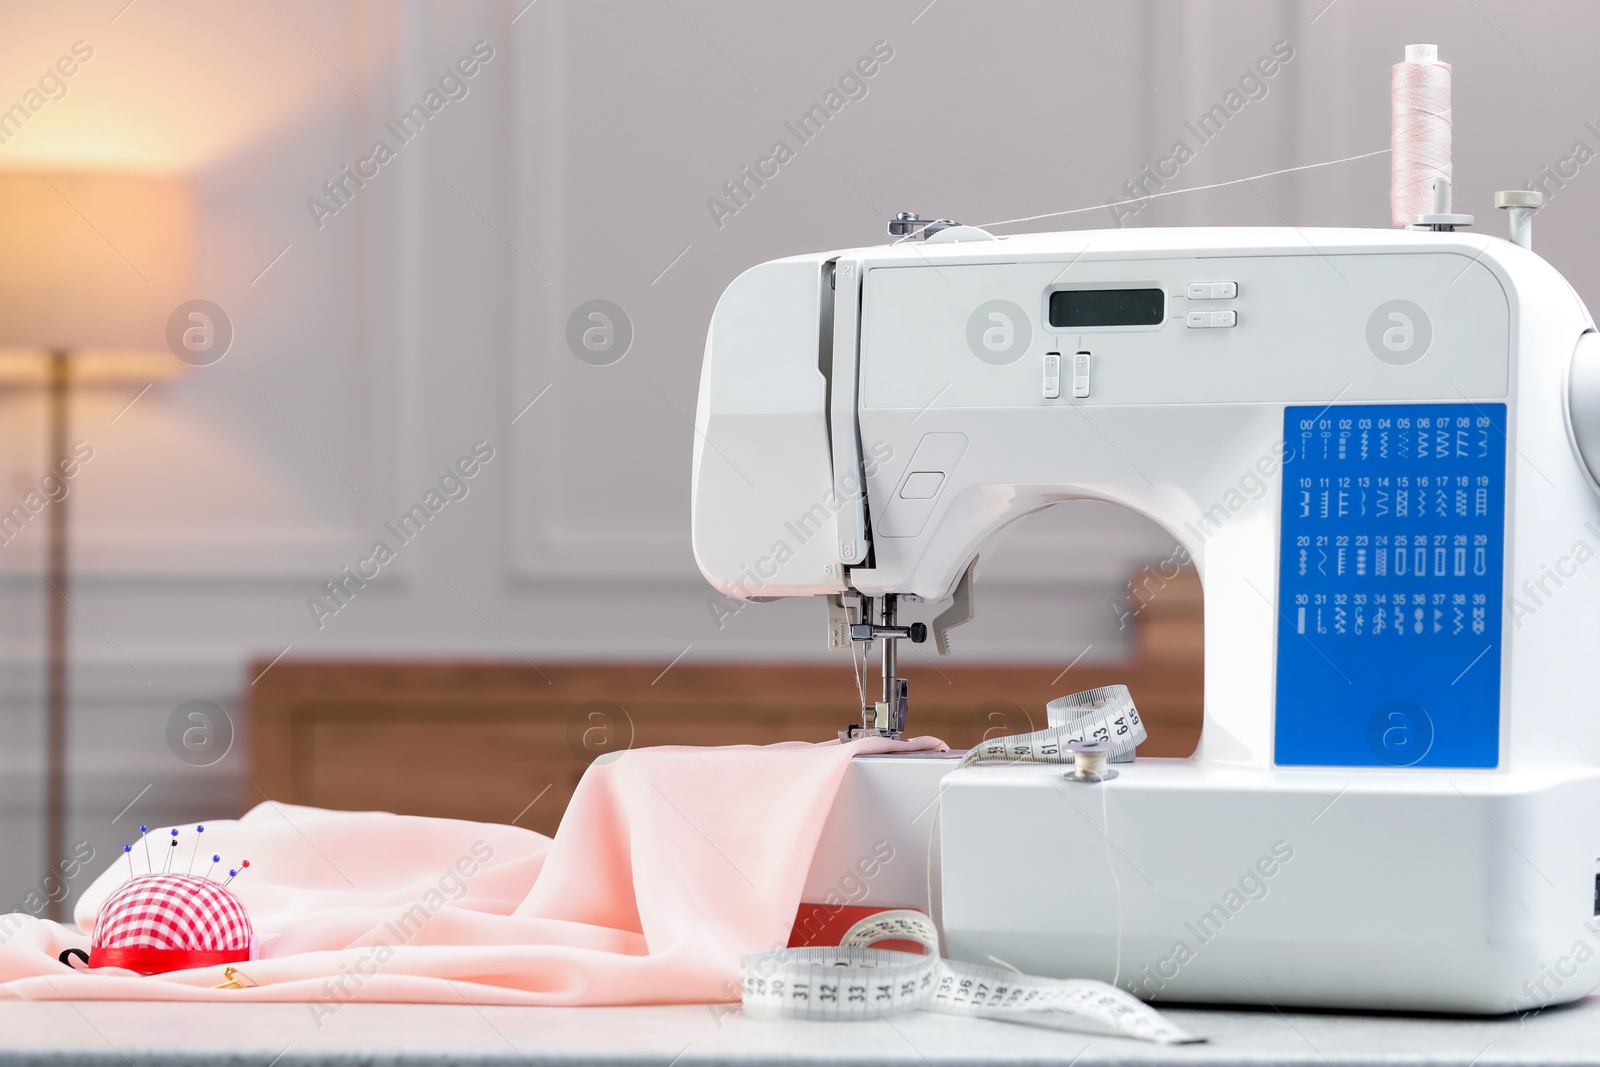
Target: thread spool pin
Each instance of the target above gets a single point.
(1441, 220)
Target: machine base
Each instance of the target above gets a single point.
(1391, 889)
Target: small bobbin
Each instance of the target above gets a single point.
(1091, 761)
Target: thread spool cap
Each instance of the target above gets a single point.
(1439, 222)
(1422, 53)
(1509, 198)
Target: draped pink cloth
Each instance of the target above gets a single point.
(669, 865)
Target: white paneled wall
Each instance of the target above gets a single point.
(374, 350)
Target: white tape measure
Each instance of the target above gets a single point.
(1095, 716)
(853, 983)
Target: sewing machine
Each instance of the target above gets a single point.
(1379, 449)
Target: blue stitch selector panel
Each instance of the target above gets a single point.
(1389, 585)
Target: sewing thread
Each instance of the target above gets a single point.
(1419, 137)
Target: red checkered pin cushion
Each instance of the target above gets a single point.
(169, 922)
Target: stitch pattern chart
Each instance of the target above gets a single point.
(1390, 559)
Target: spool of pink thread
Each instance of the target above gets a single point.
(1419, 133)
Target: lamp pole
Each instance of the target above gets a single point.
(56, 606)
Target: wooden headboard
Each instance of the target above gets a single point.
(504, 742)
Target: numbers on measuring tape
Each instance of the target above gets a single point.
(855, 982)
(1100, 716)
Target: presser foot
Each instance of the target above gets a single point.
(886, 718)
(883, 719)
(855, 732)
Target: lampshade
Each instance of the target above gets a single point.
(94, 265)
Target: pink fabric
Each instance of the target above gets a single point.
(669, 865)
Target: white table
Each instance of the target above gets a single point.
(125, 1034)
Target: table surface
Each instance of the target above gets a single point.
(128, 1034)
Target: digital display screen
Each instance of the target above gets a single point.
(1078, 309)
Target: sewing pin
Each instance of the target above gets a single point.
(198, 830)
(167, 866)
(234, 874)
(214, 861)
(144, 835)
(233, 976)
(127, 850)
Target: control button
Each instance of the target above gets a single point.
(1213, 290)
(1052, 375)
(1080, 375)
(1211, 320)
(922, 485)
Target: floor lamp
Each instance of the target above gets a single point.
(92, 267)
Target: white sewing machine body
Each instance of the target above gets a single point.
(1365, 442)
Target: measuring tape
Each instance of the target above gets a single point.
(853, 983)
(856, 982)
(1095, 716)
